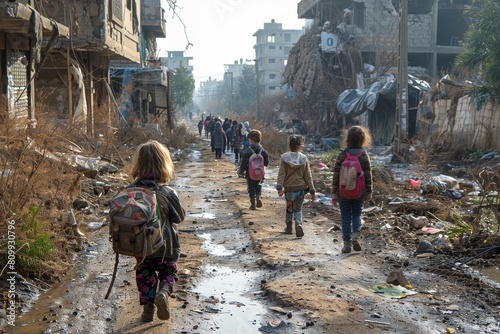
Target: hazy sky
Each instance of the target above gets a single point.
(221, 31)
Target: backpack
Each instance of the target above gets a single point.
(351, 177)
(135, 225)
(256, 168)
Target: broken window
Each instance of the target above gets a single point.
(288, 38)
(272, 61)
(359, 14)
(271, 38)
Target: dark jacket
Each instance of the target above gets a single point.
(218, 139)
(238, 137)
(295, 173)
(364, 161)
(243, 170)
(171, 213)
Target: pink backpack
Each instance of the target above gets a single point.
(256, 168)
(351, 177)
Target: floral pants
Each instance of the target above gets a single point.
(154, 273)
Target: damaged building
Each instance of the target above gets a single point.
(75, 75)
(352, 43)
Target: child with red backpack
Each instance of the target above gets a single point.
(295, 181)
(253, 162)
(352, 183)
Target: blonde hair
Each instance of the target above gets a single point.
(153, 162)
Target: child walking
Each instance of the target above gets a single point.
(254, 186)
(295, 180)
(356, 140)
(153, 169)
(218, 140)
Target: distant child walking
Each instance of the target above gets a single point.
(238, 140)
(295, 181)
(356, 140)
(218, 140)
(200, 126)
(254, 186)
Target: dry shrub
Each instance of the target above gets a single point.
(36, 183)
(180, 137)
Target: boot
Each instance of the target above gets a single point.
(252, 203)
(148, 313)
(288, 228)
(355, 242)
(299, 232)
(347, 246)
(161, 302)
(259, 202)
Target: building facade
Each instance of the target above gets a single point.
(272, 46)
(435, 28)
(176, 59)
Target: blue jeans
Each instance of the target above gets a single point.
(350, 211)
(294, 201)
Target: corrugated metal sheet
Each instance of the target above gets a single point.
(161, 96)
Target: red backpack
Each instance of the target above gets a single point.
(256, 168)
(351, 177)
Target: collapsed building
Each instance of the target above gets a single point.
(354, 45)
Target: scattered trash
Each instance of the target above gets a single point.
(335, 227)
(95, 225)
(397, 200)
(278, 309)
(392, 291)
(414, 184)
(277, 327)
(377, 322)
(428, 230)
(238, 304)
(212, 309)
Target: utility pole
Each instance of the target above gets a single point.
(402, 93)
(257, 87)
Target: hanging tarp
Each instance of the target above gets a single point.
(354, 102)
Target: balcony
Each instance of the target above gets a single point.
(153, 17)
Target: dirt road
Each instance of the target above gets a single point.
(240, 274)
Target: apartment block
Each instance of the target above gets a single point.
(272, 46)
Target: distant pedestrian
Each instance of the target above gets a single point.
(218, 140)
(295, 181)
(356, 140)
(254, 187)
(245, 132)
(205, 125)
(200, 126)
(229, 136)
(238, 139)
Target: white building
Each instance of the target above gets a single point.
(176, 59)
(273, 44)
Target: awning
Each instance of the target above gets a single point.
(16, 17)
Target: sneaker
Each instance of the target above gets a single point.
(299, 232)
(148, 313)
(355, 242)
(161, 303)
